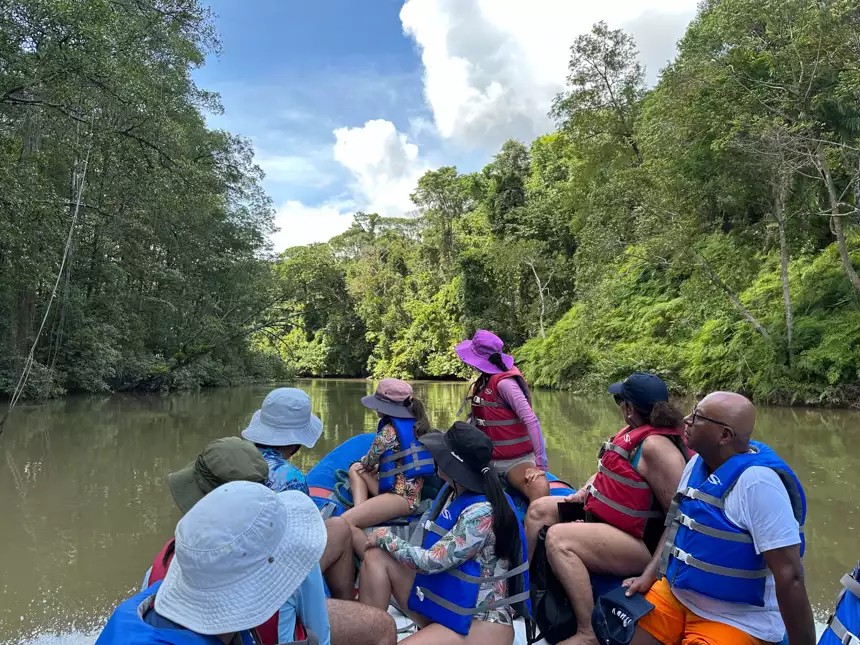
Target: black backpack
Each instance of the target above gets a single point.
(551, 608)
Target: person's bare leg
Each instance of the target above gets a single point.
(579, 548)
(641, 637)
(374, 511)
(380, 577)
(480, 633)
(357, 485)
(336, 563)
(352, 623)
(535, 489)
(542, 512)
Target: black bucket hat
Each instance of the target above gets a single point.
(463, 453)
(615, 616)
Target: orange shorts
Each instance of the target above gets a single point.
(672, 623)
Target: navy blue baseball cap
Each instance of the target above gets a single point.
(615, 616)
(641, 389)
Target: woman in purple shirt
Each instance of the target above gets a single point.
(501, 407)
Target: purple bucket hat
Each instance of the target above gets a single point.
(477, 352)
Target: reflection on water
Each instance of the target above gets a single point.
(85, 507)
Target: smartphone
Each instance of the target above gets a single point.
(571, 511)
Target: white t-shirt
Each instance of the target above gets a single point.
(760, 505)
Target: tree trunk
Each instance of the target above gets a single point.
(836, 222)
(779, 201)
(541, 296)
(735, 301)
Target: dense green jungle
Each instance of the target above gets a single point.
(705, 228)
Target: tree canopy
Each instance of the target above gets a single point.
(704, 229)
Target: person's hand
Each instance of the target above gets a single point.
(373, 538)
(640, 584)
(576, 498)
(532, 474)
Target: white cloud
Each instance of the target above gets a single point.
(386, 166)
(300, 224)
(492, 67)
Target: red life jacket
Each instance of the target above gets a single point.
(268, 631)
(501, 424)
(619, 495)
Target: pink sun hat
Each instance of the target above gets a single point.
(477, 352)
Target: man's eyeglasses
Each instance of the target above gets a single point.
(618, 400)
(695, 414)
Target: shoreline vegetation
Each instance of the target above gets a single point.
(705, 229)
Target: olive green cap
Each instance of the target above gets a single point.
(223, 460)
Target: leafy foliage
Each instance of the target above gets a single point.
(166, 275)
(704, 229)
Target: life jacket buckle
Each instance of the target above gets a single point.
(480, 422)
(681, 556)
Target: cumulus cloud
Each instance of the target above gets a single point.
(385, 168)
(300, 224)
(384, 164)
(492, 67)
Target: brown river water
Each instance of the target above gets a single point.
(85, 507)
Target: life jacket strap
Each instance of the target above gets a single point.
(618, 507)
(400, 455)
(694, 493)
(621, 479)
(493, 424)
(403, 469)
(483, 403)
(511, 442)
(689, 560)
(465, 577)
(693, 525)
(608, 445)
(845, 637)
(851, 585)
(423, 593)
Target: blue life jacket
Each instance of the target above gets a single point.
(843, 626)
(707, 553)
(417, 462)
(127, 627)
(450, 598)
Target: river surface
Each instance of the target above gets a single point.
(85, 506)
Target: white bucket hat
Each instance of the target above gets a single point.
(285, 419)
(241, 552)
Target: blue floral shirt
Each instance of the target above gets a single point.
(282, 474)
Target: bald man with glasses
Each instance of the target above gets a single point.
(729, 571)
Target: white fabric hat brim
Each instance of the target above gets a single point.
(251, 602)
(260, 432)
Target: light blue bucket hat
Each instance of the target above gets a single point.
(285, 419)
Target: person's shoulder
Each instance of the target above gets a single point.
(659, 449)
(477, 510)
(760, 489)
(759, 476)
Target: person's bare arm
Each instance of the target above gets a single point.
(791, 594)
(661, 465)
(641, 584)
(579, 496)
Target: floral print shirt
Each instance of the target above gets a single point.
(386, 439)
(471, 537)
(282, 474)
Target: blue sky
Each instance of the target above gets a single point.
(348, 102)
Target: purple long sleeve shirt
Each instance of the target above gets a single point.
(510, 393)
